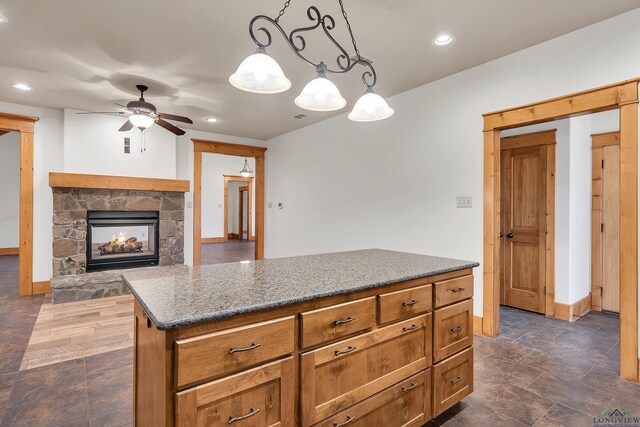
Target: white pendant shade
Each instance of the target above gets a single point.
(141, 121)
(370, 107)
(260, 73)
(320, 94)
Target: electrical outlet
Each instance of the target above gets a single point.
(464, 201)
(189, 204)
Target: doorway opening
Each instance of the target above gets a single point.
(10, 196)
(228, 207)
(623, 98)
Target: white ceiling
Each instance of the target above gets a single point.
(88, 54)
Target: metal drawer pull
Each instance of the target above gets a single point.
(456, 380)
(349, 419)
(410, 303)
(238, 350)
(456, 329)
(411, 328)
(348, 350)
(411, 387)
(243, 417)
(347, 320)
(457, 290)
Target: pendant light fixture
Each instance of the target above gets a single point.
(246, 169)
(259, 73)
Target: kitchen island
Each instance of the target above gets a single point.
(361, 338)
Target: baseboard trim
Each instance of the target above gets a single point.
(569, 312)
(212, 239)
(9, 251)
(477, 325)
(42, 287)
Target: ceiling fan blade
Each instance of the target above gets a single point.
(176, 118)
(127, 126)
(171, 128)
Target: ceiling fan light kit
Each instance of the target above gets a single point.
(259, 73)
(143, 115)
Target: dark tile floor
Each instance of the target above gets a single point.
(545, 372)
(233, 250)
(92, 391)
(540, 371)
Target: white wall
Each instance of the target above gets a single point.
(580, 208)
(92, 144)
(10, 190)
(344, 184)
(48, 157)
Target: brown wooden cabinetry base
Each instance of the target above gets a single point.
(393, 356)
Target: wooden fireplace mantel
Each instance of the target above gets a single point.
(108, 182)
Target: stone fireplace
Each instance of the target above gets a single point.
(87, 227)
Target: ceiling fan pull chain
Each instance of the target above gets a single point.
(286, 5)
(353, 39)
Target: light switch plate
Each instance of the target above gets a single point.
(464, 201)
(269, 205)
(280, 205)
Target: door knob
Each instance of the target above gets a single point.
(510, 235)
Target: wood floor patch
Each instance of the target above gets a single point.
(79, 329)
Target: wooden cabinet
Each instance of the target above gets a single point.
(339, 375)
(452, 381)
(206, 356)
(262, 396)
(406, 404)
(330, 323)
(392, 356)
(403, 304)
(452, 329)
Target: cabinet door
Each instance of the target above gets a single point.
(339, 375)
(452, 381)
(452, 329)
(260, 397)
(406, 404)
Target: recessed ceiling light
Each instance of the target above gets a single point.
(443, 40)
(22, 86)
(212, 120)
(3, 19)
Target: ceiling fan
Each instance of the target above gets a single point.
(143, 115)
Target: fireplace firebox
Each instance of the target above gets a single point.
(122, 239)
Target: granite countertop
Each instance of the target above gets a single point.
(179, 296)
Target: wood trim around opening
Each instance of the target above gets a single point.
(9, 251)
(544, 137)
(605, 139)
(203, 146)
(622, 96)
(26, 126)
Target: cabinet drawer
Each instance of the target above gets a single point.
(330, 323)
(453, 290)
(452, 329)
(262, 396)
(340, 375)
(210, 355)
(406, 404)
(402, 304)
(452, 381)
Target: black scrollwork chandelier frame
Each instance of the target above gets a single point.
(296, 41)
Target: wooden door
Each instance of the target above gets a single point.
(605, 243)
(523, 224)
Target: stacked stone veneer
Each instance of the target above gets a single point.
(70, 208)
